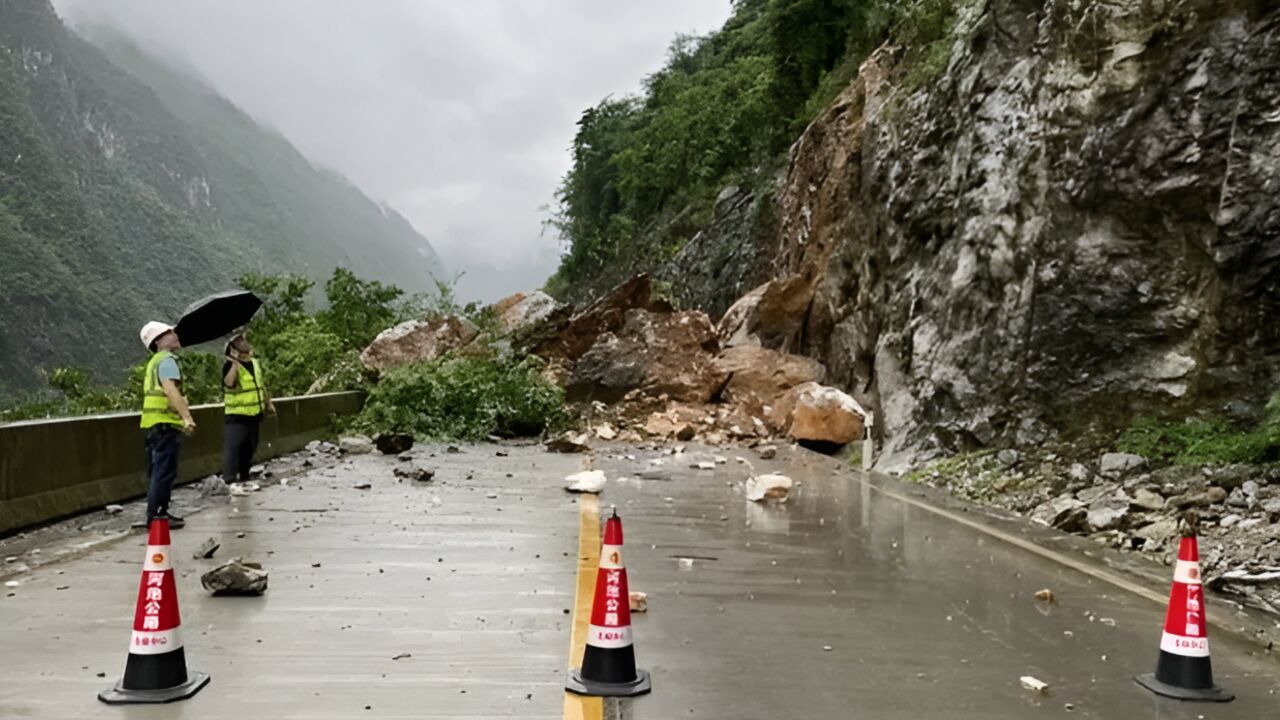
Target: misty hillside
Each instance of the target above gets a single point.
(128, 189)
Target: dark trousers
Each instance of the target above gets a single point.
(239, 443)
(162, 445)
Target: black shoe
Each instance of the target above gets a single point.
(175, 523)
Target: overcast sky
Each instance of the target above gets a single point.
(457, 113)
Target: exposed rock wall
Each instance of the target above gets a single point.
(1078, 221)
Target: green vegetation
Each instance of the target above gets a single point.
(723, 111)
(1205, 441)
(128, 190)
(954, 466)
(464, 398)
(467, 395)
(297, 346)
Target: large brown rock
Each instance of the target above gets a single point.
(417, 341)
(758, 375)
(669, 354)
(819, 414)
(572, 339)
(520, 313)
(770, 315)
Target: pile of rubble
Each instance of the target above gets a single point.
(1122, 502)
(635, 368)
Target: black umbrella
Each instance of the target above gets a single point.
(217, 315)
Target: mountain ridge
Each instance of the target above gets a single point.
(128, 188)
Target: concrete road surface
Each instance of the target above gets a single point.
(845, 602)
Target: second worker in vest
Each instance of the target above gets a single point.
(246, 402)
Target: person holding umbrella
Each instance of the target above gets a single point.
(165, 416)
(245, 402)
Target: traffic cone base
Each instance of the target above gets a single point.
(120, 695)
(156, 669)
(1183, 670)
(609, 658)
(1209, 694)
(579, 685)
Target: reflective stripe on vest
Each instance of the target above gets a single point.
(246, 398)
(155, 404)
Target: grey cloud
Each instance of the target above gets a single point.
(459, 114)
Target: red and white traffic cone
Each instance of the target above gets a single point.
(609, 662)
(156, 671)
(1183, 670)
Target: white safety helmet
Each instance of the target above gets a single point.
(153, 330)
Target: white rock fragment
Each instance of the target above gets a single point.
(768, 487)
(114, 509)
(356, 445)
(720, 459)
(587, 481)
(1034, 684)
(606, 432)
(639, 602)
(704, 465)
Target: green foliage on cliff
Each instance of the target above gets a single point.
(724, 109)
(1205, 441)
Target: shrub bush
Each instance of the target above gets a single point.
(463, 398)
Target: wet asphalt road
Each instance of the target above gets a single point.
(474, 578)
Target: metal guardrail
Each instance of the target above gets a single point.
(55, 468)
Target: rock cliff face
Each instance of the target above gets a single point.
(1077, 221)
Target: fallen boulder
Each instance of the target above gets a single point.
(768, 487)
(213, 486)
(607, 314)
(355, 445)
(393, 443)
(1118, 464)
(417, 341)
(570, 442)
(416, 473)
(656, 354)
(1063, 512)
(770, 315)
(235, 578)
(675, 422)
(206, 549)
(1107, 513)
(587, 481)
(819, 416)
(520, 313)
(758, 375)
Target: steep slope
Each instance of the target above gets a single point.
(1049, 220)
(1074, 224)
(123, 197)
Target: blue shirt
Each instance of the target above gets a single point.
(168, 369)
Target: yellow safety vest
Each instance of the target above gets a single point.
(155, 404)
(247, 398)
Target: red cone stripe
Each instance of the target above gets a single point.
(1184, 625)
(611, 613)
(156, 619)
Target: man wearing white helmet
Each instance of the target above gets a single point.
(165, 416)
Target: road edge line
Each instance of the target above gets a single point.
(577, 707)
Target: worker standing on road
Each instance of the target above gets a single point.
(246, 401)
(165, 416)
